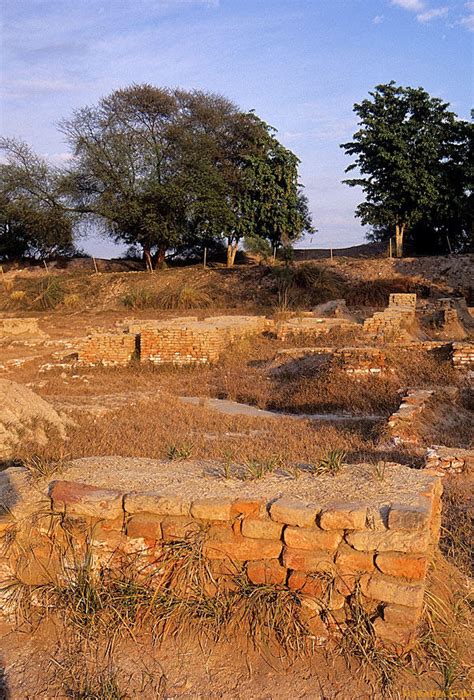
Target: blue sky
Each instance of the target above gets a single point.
(301, 64)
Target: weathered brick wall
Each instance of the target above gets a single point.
(400, 422)
(107, 349)
(449, 460)
(463, 355)
(323, 553)
(352, 360)
(178, 341)
(310, 326)
(394, 323)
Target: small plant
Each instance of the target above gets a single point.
(178, 453)
(228, 456)
(40, 466)
(331, 463)
(141, 298)
(258, 468)
(379, 470)
(185, 296)
(49, 294)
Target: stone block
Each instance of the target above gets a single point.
(266, 572)
(392, 590)
(389, 541)
(292, 512)
(398, 636)
(306, 538)
(402, 565)
(150, 502)
(302, 582)
(305, 560)
(259, 528)
(82, 499)
(212, 509)
(404, 517)
(343, 516)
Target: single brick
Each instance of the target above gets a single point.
(389, 541)
(212, 509)
(399, 636)
(392, 590)
(395, 564)
(176, 528)
(351, 561)
(304, 560)
(248, 506)
(150, 502)
(343, 516)
(305, 538)
(238, 548)
(292, 512)
(306, 584)
(82, 499)
(403, 517)
(267, 571)
(145, 525)
(259, 528)
(401, 615)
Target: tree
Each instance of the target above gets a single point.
(404, 152)
(33, 220)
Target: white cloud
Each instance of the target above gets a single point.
(468, 20)
(435, 13)
(40, 85)
(378, 19)
(413, 5)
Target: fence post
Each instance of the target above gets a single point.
(95, 265)
(390, 247)
(46, 266)
(332, 257)
(205, 258)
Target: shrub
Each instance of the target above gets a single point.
(141, 298)
(185, 296)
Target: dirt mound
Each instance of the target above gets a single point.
(25, 417)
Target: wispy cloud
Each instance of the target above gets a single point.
(468, 20)
(413, 5)
(434, 13)
(378, 19)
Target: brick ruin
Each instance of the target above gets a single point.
(413, 403)
(323, 552)
(13, 327)
(463, 356)
(397, 322)
(354, 361)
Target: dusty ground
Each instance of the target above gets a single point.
(136, 412)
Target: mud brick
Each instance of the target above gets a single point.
(401, 637)
(403, 517)
(176, 528)
(292, 512)
(212, 509)
(150, 502)
(392, 590)
(259, 528)
(389, 541)
(351, 561)
(305, 538)
(402, 565)
(304, 560)
(82, 499)
(343, 516)
(238, 548)
(401, 615)
(249, 507)
(306, 584)
(145, 525)
(268, 571)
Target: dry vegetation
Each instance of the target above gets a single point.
(136, 412)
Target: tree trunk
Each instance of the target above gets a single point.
(231, 253)
(399, 233)
(148, 260)
(160, 256)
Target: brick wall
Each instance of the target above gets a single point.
(463, 355)
(310, 326)
(396, 323)
(182, 341)
(322, 553)
(400, 422)
(107, 349)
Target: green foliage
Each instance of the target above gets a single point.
(179, 453)
(50, 293)
(185, 296)
(140, 298)
(331, 463)
(412, 158)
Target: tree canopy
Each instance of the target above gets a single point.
(412, 156)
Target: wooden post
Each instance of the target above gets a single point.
(274, 252)
(3, 276)
(95, 265)
(449, 245)
(331, 254)
(46, 266)
(390, 247)
(204, 263)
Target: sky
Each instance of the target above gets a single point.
(301, 64)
